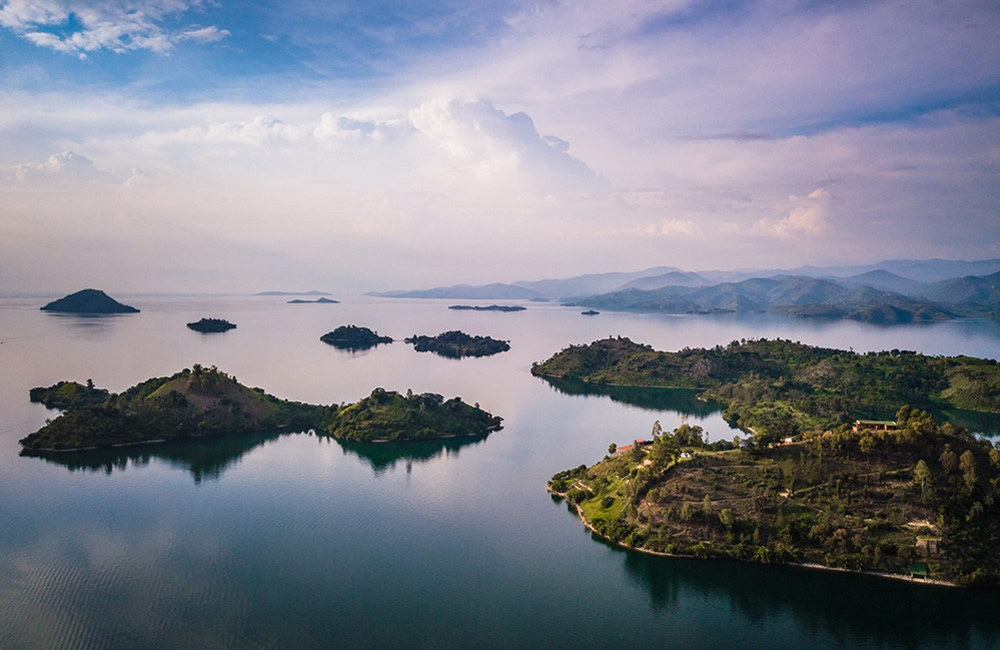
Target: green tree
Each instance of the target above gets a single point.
(706, 506)
(967, 463)
(657, 430)
(727, 518)
(922, 475)
(948, 460)
(612, 448)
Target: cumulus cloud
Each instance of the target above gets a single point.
(499, 143)
(338, 127)
(80, 26)
(65, 166)
(806, 215)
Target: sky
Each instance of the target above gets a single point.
(219, 146)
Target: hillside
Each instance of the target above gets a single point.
(200, 401)
(921, 499)
(779, 388)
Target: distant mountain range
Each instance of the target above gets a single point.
(887, 292)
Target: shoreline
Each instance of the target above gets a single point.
(803, 565)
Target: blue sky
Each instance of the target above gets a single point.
(372, 145)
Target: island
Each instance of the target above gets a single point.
(456, 344)
(487, 308)
(386, 416)
(203, 401)
(89, 301)
(352, 337)
(590, 312)
(318, 301)
(211, 325)
(774, 389)
(909, 498)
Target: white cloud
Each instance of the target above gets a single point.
(209, 34)
(65, 166)
(806, 215)
(115, 26)
(258, 132)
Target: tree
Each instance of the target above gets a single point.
(922, 475)
(612, 448)
(706, 505)
(967, 463)
(948, 460)
(657, 430)
(726, 518)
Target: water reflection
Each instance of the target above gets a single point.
(853, 609)
(385, 456)
(204, 458)
(652, 399)
(91, 327)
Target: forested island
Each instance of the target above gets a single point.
(506, 308)
(353, 337)
(456, 344)
(89, 301)
(211, 325)
(776, 389)
(205, 401)
(386, 416)
(909, 497)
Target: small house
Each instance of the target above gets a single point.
(875, 425)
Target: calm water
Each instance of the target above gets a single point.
(297, 541)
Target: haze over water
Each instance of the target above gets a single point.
(291, 540)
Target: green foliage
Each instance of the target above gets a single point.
(778, 389)
(385, 415)
(457, 344)
(926, 493)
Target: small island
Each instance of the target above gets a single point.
(487, 308)
(352, 337)
(89, 301)
(456, 344)
(205, 401)
(590, 312)
(386, 416)
(318, 301)
(908, 498)
(211, 325)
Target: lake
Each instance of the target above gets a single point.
(296, 541)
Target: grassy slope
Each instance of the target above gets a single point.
(824, 501)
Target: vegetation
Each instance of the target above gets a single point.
(89, 301)
(778, 389)
(352, 337)
(211, 325)
(488, 308)
(205, 401)
(386, 415)
(923, 498)
(193, 402)
(457, 344)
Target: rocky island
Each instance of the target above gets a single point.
(205, 401)
(89, 301)
(211, 325)
(352, 337)
(908, 498)
(456, 344)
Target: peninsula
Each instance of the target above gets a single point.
(89, 301)
(211, 325)
(352, 337)
(907, 498)
(779, 389)
(456, 344)
(205, 401)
